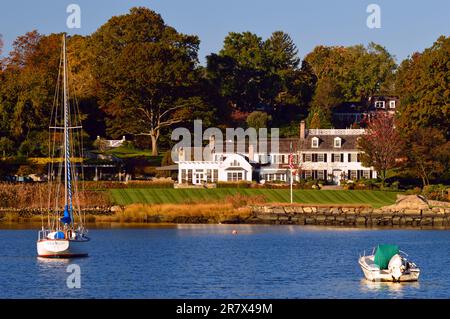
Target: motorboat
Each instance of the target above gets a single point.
(388, 263)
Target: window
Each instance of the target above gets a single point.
(336, 157)
(320, 175)
(264, 158)
(234, 176)
(235, 163)
(353, 174)
(321, 157)
(308, 174)
(337, 142)
(208, 176)
(379, 104)
(366, 174)
(353, 157)
(216, 174)
(183, 176)
(189, 176)
(392, 104)
(307, 157)
(315, 142)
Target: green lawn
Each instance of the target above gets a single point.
(179, 196)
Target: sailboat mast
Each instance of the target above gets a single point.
(67, 168)
(66, 133)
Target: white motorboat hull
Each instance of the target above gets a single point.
(61, 248)
(373, 273)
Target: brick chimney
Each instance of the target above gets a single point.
(302, 130)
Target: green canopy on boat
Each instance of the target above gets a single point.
(384, 254)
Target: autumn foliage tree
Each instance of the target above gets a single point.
(428, 153)
(423, 86)
(381, 146)
(146, 74)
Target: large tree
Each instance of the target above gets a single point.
(250, 73)
(357, 71)
(381, 146)
(423, 86)
(428, 153)
(28, 86)
(146, 72)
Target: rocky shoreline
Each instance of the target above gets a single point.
(408, 211)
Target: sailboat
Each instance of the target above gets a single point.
(64, 236)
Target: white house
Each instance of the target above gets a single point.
(227, 168)
(323, 154)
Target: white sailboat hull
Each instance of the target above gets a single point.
(61, 248)
(373, 273)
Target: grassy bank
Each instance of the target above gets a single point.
(190, 196)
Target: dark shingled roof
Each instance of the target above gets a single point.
(326, 142)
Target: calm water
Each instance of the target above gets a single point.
(209, 262)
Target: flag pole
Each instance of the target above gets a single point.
(291, 164)
(291, 185)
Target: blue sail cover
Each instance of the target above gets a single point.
(66, 218)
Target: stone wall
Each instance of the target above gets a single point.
(349, 216)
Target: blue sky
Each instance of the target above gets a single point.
(406, 26)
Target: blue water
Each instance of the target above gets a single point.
(207, 261)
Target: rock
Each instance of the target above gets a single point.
(438, 221)
(321, 219)
(409, 202)
(278, 210)
(396, 220)
(378, 211)
(289, 209)
(428, 221)
(116, 209)
(412, 211)
(335, 211)
(307, 209)
(361, 220)
(267, 216)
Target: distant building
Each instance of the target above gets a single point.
(108, 144)
(349, 113)
(324, 154)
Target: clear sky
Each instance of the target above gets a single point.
(406, 25)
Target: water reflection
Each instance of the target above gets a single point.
(396, 289)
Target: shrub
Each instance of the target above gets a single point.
(436, 192)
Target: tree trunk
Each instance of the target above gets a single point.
(154, 144)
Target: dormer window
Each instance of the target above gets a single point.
(235, 163)
(379, 104)
(315, 142)
(337, 142)
(392, 104)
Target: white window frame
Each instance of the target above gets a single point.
(392, 104)
(337, 139)
(383, 103)
(315, 142)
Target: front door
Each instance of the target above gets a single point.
(198, 178)
(337, 176)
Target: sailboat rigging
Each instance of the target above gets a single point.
(63, 237)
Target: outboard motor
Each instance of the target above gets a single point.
(396, 267)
